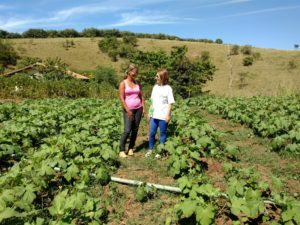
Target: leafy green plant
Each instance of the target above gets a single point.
(144, 192)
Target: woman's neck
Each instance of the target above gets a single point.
(130, 79)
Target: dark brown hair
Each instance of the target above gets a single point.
(164, 76)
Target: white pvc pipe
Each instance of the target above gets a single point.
(135, 182)
(158, 186)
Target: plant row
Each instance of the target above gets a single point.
(277, 118)
(244, 197)
(55, 155)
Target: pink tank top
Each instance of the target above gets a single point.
(132, 98)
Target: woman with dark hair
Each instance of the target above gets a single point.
(132, 100)
(160, 110)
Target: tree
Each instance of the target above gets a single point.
(3, 34)
(187, 76)
(35, 33)
(296, 46)
(90, 32)
(69, 33)
(219, 41)
(52, 33)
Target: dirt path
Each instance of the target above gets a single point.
(125, 208)
(255, 152)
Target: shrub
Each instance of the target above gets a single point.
(68, 44)
(248, 61)
(256, 55)
(130, 40)
(292, 65)
(106, 75)
(8, 56)
(246, 50)
(26, 61)
(234, 50)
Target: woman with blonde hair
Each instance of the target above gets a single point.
(132, 100)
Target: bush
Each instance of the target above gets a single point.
(256, 55)
(234, 50)
(68, 44)
(8, 56)
(248, 61)
(246, 50)
(292, 65)
(36, 89)
(26, 61)
(130, 40)
(106, 75)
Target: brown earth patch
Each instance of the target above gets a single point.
(259, 155)
(216, 173)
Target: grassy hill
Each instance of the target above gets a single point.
(276, 72)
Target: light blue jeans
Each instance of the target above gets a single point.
(154, 124)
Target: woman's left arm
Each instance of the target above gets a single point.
(142, 100)
(168, 117)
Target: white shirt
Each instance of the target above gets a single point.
(161, 97)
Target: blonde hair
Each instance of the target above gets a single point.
(130, 68)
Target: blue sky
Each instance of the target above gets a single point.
(260, 23)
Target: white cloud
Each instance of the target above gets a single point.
(230, 2)
(14, 23)
(265, 11)
(104, 7)
(147, 18)
(81, 10)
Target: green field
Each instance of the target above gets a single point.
(57, 156)
(234, 155)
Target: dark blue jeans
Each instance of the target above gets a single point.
(154, 124)
(131, 128)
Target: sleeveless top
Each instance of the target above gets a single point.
(132, 96)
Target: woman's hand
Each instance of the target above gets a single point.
(130, 115)
(168, 118)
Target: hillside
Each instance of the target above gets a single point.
(276, 72)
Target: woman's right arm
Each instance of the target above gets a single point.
(122, 99)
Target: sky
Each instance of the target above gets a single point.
(259, 23)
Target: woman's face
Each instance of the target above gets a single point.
(158, 79)
(133, 73)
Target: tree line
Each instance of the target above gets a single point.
(94, 32)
